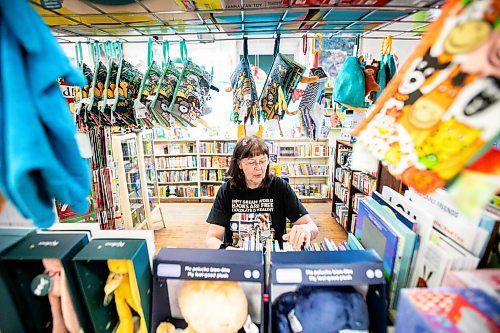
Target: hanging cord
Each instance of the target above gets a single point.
(96, 58)
(315, 51)
(305, 45)
(386, 46)
(277, 45)
(119, 55)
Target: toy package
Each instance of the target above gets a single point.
(42, 283)
(441, 109)
(280, 83)
(209, 291)
(245, 101)
(337, 291)
(114, 276)
(447, 310)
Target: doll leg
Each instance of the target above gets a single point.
(70, 318)
(57, 316)
(126, 324)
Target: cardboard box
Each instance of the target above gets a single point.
(91, 265)
(294, 272)
(10, 320)
(23, 263)
(173, 268)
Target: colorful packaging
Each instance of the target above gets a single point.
(441, 109)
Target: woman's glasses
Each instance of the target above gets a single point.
(254, 163)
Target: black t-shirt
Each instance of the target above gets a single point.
(240, 210)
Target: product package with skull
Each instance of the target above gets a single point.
(280, 83)
(245, 100)
(335, 291)
(191, 93)
(441, 109)
(209, 291)
(39, 273)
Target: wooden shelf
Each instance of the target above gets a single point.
(309, 176)
(177, 169)
(178, 183)
(215, 154)
(212, 168)
(301, 157)
(175, 155)
(179, 199)
(211, 181)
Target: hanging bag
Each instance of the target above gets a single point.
(280, 83)
(82, 93)
(310, 114)
(192, 91)
(126, 89)
(146, 91)
(164, 95)
(388, 66)
(245, 101)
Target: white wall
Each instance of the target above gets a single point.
(402, 48)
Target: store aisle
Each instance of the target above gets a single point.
(186, 226)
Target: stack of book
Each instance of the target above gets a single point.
(420, 238)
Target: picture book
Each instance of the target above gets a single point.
(373, 233)
(447, 310)
(407, 244)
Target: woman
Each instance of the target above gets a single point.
(253, 193)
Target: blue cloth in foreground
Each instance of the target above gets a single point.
(39, 156)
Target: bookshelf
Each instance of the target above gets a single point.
(189, 170)
(306, 163)
(349, 186)
(149, 174)
(130, 173)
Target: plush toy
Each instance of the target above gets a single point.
(210, 307)
(119, 286)
(64, 318)
(320, 309)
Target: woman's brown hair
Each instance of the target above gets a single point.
(247, 147)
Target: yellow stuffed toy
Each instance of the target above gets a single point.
(119, 285)
(210, 307)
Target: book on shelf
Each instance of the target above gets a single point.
(407, 244)
(374, 233)
(466, 231)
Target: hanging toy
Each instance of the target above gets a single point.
(313, 94)
(245, 102)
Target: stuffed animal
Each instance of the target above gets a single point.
(320, 309)
(210, 307)
(118, 285)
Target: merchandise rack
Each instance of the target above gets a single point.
(81, 20)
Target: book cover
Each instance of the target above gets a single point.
(407, 243)
(447, 310)
(373, 233)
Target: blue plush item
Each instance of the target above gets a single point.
(349, 85)
(39, 156)
(387, 70)
(326, 309)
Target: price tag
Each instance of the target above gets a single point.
(139, 109)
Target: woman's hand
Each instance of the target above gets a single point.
(300, 235)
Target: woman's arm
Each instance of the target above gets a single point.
(214, 237)
(304, 230)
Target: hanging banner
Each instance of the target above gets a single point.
(442, 109)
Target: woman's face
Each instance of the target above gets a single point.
(254, 169)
